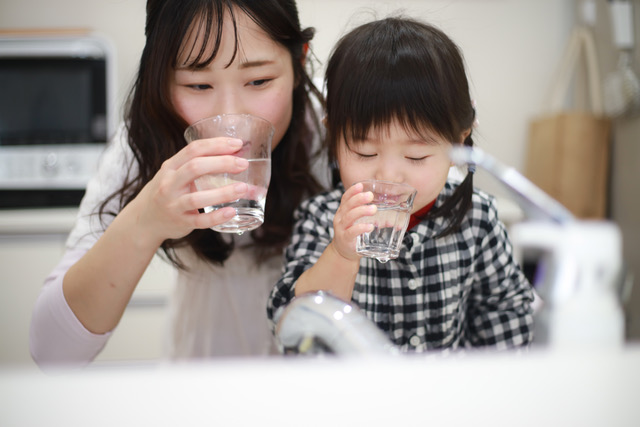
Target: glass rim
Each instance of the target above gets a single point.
(390, 183)
(220, 116)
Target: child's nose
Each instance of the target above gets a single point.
(389, 173)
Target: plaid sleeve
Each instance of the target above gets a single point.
(312, 233)
(500, 313)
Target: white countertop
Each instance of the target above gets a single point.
(589, 387)
(37, 221)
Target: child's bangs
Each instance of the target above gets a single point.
(395, 73)
(373, 104)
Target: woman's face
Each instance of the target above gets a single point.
(393, 154)
(259, 81)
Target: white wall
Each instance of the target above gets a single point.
(511, 46)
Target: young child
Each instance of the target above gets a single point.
(397, 99)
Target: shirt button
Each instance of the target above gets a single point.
(414, 341)
(412, 284)
(416, 238)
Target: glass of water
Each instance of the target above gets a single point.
(394, 202)
(256, 134)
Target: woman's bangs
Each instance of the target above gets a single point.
(203, 37)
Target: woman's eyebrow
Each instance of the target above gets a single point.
(243, 65)
(191, 68)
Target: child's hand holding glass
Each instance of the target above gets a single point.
(355, 204)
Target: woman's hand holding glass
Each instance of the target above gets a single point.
(168, 205)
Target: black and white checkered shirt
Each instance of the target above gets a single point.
(462, 290)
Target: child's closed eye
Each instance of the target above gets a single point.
(417, 159)
(365, 155)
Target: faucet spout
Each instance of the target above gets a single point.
(319, 322)
(537, 204)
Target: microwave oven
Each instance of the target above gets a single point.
(57, 96)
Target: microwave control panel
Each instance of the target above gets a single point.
(51, 166)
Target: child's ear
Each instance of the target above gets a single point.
(463, 136)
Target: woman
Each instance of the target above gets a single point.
(201, 58)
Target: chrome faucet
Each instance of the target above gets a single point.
(580, 270)
(537, 204)
(318, 322)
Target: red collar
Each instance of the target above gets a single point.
(419, 215)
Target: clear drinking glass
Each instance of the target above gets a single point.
(256, 134)
(394, 202)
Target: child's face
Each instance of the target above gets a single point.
(259, 81)
(392, 154)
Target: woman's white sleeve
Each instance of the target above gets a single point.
(56, 336)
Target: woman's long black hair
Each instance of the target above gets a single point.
(155, 130)
(405, 70)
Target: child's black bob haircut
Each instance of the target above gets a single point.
(399, 69)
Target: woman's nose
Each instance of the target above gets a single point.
(228, 102)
